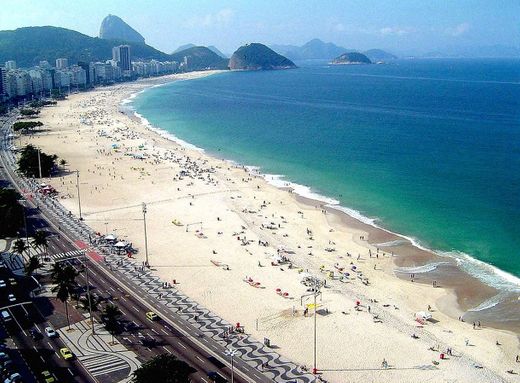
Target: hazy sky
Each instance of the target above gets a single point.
(397, 25)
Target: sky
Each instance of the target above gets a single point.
(401, 26)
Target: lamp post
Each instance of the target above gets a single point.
(231, 352)
(39, 164)
(145, 236)
(79, 197)
(89, 299)
(315, 294)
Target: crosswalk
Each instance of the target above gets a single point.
(68, 254)
(100, 364)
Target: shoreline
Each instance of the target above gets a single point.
(410, 254)
(226, 193)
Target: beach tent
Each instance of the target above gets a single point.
(423, 315)
(120, 244)
(110, 237)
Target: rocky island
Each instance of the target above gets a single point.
(256, 56)
(351, 58)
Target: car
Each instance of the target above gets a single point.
(4, 314)
(11, 298)
(35, 334)
(2, 283)
(47, 377)
(12, 282)
(4, 357)
(2, 265)
(14, 378)
(150, 315)
(66, 353)
(50, 332)
(216, 377)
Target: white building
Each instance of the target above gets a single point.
(61, 79)
(10, 65)
(62, 63)
(36, 81)
(3, 81)
(79, 76)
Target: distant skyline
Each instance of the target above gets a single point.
(403, 27)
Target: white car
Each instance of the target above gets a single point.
(11, 298)
(2, 283)
(50, 332)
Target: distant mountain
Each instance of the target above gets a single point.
(184, 47)
(316, 49)
(217, 51)
(28, 46)
(283, 49)
(114, 28)
(379, 55)
(200, 58)
(351, 58)
(257, 56)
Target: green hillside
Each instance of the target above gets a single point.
(257, 56)
(27, 46)
(200, 58)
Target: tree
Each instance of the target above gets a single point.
(20, 247)
(26, 126)
(11, 212)
(94, 303)
(39, 241)
(29, 164)
(65, 280)
(29, 112)
(32, 265)
(110, 316)
(165, 368)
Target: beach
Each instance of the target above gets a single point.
(242, 247)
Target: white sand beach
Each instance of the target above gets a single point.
(238, 239)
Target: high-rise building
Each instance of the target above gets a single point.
(89, 72)
(121, 54)
(44, 64)
(62, 63)
(10, 65)
(3, 81)
(79, 76)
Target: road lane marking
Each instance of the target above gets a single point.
(155, 332)
(135, 308)
(50, 345)
(202, 360)
(70, 372)
(204, 379)
(164, 331)
(166, 349)
(180, 344)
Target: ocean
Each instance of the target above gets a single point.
(426, 148)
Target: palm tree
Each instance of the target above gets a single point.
(111, 315)
(39, 241)
(94, 303)
(65, 280)
(19, 248)
(32, 265)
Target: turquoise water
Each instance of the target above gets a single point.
(429, 148)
